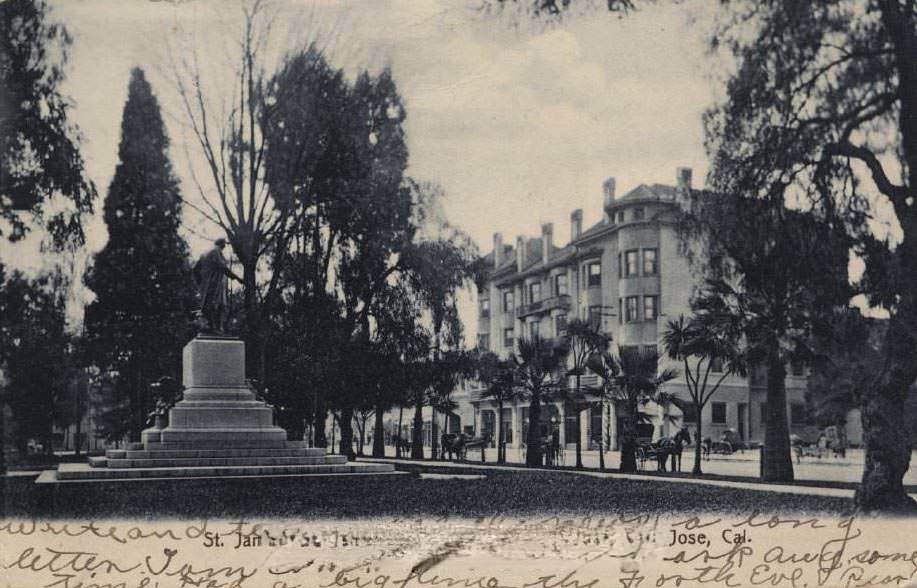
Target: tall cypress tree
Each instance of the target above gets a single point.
(142, 279)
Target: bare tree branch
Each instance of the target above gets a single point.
(895, 192)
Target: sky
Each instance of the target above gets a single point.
(519, 124)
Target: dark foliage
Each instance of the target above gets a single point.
(141, 317)
(822, 106)
(37, 356)
(39, 149)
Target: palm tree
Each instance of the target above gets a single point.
(632, 378)
(705, 340)
(538, 362)
(584, 341)
(499, 378)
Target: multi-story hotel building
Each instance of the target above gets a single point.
(628, 275)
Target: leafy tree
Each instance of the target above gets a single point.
(36, 353)
(144, 295)
(538, 363)
(436, 267)
(632, 378)
(699, 344)
(500, 384)
(584, 341)
(240, 197)
(767, 304)
(845, 359)
(39, 149)
(823, 102)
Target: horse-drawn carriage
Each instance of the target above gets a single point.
(456, 445)
(729, 442)
(661, 449)
(829, 440)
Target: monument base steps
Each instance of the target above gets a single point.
(219, 429)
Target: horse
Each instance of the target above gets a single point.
(453, 445)
(671, 446)
(681, 438)
(402, 446)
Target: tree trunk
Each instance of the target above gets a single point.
(579, 427)
(501, 438)
(346, 445)
(888, 452)
(434, 435)
(417, 432)
(361, 426)
(533, 451)
(696, 470)
(320, 438)
(885, 428)
(400, 428)
(251, 325)
(2, 444)
(629, 437)
(778, 462)
(79, 423)
(379, 434)
(602, 434)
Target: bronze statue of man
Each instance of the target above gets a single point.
(210, 274)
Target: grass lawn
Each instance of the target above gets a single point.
(508, 493)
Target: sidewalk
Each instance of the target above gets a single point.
(740, 464)
(742, 485)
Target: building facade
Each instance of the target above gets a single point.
(627, 274)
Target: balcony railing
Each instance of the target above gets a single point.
(542, 306)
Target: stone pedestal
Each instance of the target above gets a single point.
(218, 428)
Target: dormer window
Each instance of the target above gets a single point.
(638, 214)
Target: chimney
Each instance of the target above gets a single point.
(498, 249)
(520, 253)
(683, 178)
(608, 190)
(547, 241)
(576, 224)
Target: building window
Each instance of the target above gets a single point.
(650, 265)
(638, 214)
(483, 341)
(620, 311)
(620, 217)
(651, 350)
(535, 292)
(797, 414)
(630, 263)
(797, 368)
(533, 329)
(508, 335)
(620, 267)
(508, 301)
(689, 413)
(716, 365)
(560, 285)
(763, 413)
(560, 324)
(595, 274)
(485, 307)
(630, 311)
(650, 308)
(719, 412)
(595, 316)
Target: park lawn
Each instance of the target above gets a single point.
(500, 493)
